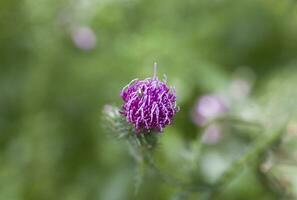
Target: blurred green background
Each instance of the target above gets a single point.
(62, 61)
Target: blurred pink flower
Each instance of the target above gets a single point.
(84, 38)
(207, 108)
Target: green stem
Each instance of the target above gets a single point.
(263, 143)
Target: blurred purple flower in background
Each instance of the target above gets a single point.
(84, 38)
(212, 134)
(208, 107)
(149, 104)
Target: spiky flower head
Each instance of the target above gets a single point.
(149, 104)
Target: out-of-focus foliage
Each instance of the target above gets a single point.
(61, 61)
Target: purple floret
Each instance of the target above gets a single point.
(149, 104)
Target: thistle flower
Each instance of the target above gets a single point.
(149, 104)
(207, 108)
(84, 38)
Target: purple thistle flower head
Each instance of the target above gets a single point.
(149, 104)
